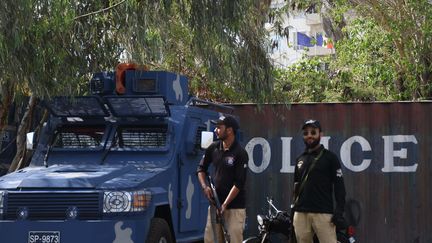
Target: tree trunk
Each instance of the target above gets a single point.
(6, 95)
(21, 136)
(333, 30)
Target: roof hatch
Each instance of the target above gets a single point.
(137, 106)
(81, 106)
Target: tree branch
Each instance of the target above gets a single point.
(100, 10)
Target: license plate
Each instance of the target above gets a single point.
(44, 237)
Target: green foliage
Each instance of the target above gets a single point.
(363, 63)
(408, 25)
(383, 52)
(213, 42)
(233, 51)
(44, 51)
(52, 47)
(55, 45)
(304, 81)
(361, 70)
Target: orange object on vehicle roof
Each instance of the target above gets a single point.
(120, 75)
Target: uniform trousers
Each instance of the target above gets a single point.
(234, 222)
(308, 224)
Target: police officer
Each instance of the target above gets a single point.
(229, 160)
(317, 178)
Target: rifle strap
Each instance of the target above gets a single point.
(307, 175)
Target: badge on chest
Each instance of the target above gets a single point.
(229, 160)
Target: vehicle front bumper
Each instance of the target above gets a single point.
(75, 231)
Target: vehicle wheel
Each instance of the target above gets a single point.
(159, 232)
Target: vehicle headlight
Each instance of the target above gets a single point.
(260, 219)
(126, 201)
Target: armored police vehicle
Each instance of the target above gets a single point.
(117, 166)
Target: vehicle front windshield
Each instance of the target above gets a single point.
(96, 145)
(78, 137)
(134, 137)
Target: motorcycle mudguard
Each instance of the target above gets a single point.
(251, 240)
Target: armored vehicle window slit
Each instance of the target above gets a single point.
(140, 137)
(78, 137)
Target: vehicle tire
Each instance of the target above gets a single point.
(159, 232)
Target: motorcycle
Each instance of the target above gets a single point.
(275, 222)
(279, 222)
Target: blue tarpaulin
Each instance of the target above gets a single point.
(304, 40)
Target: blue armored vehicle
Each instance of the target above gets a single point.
(117, 166)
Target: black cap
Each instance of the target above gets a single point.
(228, 121)
(311, 123)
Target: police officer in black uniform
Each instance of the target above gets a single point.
(229, 160)
(317, 178)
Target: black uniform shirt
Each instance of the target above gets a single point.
(229, 170)
(323, 180)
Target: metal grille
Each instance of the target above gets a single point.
(79, 137)
(52, 205)
(73, 140)
(140, 138)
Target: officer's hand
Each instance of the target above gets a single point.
(208, 193)
(339, 221)
(223, 207)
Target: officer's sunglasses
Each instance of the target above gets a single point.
(312, 132)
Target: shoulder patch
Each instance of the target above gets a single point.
(299, 164)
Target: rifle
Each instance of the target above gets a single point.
(219, 217)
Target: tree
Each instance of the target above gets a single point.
(304, 81)
(362, 67)
(42, 55)
(220, 41)
(409, 26)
